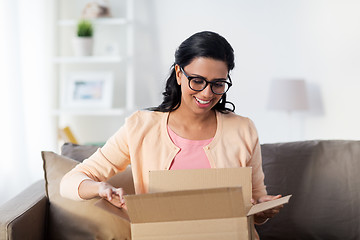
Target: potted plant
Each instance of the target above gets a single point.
(83, 41)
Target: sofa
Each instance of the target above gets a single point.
(322, 176)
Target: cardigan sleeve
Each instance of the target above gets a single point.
(112, 158)
(255, 161)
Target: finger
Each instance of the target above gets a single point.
(121, 194)
(109, 194)
(124, 206)
(267, 198)
(277, 196)
(271, 213)
(278, 207)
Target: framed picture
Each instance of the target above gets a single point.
(88, 90)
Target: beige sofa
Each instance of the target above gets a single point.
(322, 176)
(40, 212)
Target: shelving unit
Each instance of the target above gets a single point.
(119, 31)
(92, 59)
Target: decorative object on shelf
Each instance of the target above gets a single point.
(97, 9)
(111, 49)
(83, 41)
(67, 135)
(84, 90)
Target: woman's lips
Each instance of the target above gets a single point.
(202, 103)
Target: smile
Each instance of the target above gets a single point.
(202, 101)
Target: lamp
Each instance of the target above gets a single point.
(288, 95)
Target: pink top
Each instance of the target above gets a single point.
(191, 154)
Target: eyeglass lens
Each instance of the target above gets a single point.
(218, 87)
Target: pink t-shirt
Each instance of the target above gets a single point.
(191, 154)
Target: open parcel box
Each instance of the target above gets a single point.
(196, 204)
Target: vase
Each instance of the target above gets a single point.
(83, 46)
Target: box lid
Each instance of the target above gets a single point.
(260, 207)
(187, 179)
(186, 205)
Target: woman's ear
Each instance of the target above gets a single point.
(178, 74)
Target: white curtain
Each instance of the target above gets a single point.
(25, 100)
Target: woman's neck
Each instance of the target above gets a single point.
(193, 126)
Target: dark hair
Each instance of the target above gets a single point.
(202, 44)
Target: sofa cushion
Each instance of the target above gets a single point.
(70, 219)
(77, 152)
(323, 178)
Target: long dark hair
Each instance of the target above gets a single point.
(202, 44)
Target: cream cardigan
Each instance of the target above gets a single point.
(143, 142)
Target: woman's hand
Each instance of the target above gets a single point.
(114, 195)
(262, 217)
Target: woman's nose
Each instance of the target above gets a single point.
(207, 91)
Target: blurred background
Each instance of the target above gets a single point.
(296, 73)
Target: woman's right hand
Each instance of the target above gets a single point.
(114, 195)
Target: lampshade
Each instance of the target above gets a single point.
(288, 95)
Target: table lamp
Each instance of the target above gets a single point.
(288, 95)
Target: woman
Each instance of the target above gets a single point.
(191, 128)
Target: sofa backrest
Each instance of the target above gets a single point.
(68, 219)
(323, 177)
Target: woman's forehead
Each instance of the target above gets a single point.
(207, 67)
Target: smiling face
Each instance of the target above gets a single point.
(200, 102)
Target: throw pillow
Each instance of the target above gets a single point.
(77, 152)
(70, 219)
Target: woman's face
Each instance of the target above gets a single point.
(208, 68)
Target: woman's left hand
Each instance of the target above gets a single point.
(262, 217)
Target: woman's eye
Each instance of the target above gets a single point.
(219, 84)
(198, 81)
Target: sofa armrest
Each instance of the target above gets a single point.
(24, 216)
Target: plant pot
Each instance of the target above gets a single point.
(83, 46)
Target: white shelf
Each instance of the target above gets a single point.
(89, 112)
(90, 59)
(118, 30)
(100, 21)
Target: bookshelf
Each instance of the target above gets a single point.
(94, 124)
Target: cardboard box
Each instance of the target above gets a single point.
(195, 204)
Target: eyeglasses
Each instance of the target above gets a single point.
(199, 83)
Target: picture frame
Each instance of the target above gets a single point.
(84, 90)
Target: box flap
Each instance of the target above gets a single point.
(187, 179)
(206, 229)
(268, 205)
(105, 205)
(186, 205)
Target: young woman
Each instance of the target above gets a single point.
(191, 128)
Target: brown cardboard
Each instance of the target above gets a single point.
(186, 205)
(214, 213)
(260, 207)
(207, 229)
(187, 179)
(201, 204)
(105, 205)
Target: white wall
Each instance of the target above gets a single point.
(316, 40)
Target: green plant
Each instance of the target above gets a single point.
(84, 28)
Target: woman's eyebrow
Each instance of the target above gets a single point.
(199, 76)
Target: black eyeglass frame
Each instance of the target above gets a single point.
(207, 82)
